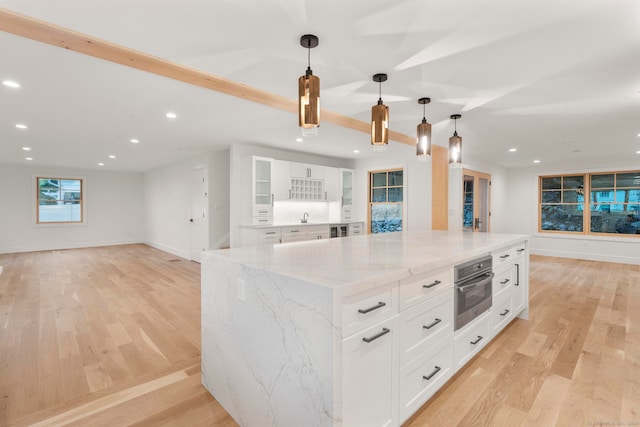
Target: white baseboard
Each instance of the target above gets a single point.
(587, 256)
(172, 251)
(65, 245)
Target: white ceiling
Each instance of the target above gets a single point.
(558, 80)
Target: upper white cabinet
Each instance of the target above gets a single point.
(281, 174)
(346, 194)
(262, 194)
(303, 170)
(332, 184)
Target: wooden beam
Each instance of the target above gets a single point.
(45, 32)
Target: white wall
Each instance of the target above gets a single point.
(240, 178)
(522, 194)
(114, 212)
(167, 203)
(417, 179)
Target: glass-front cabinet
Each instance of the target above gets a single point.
(346, 194)
(262, 191)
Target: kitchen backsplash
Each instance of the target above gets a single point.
(291, 212)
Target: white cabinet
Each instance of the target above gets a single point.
(294, 234)
(281, 175)
(318, 232)
(332, 184)
(262, 194)
(501, 313)
(369, 377)
(520, 280)
(356, 228)
(471, 339)
(346, 195)
(303, 170)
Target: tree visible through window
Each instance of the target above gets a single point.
(385, 200)
(59, 200)
(596, 203)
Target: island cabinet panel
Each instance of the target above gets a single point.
(347, 332)
(370, 376)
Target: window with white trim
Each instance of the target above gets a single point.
(59, 200)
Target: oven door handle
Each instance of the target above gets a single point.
(480, 281)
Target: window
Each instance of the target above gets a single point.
(596, 203)
(59, 200)
(385, 200)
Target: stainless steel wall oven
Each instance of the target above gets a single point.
(473, 295)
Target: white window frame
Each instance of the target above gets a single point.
(34, 201)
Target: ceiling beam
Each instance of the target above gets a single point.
(45, 32)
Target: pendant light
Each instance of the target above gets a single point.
(309, 92)
(455, 143)
(423, 145)
(379, 119)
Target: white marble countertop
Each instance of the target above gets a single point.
(357, 263)
(294, 224)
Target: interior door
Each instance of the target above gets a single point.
(198, 213)
(476, 196)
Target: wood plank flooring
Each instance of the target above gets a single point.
(111, 337)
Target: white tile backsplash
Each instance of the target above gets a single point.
(286, 213)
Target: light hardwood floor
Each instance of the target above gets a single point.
(111, 336)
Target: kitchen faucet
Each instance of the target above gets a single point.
(305, 217)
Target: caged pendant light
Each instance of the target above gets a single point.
(455, 143)
(423, 143)
(309, 92)
(379, 119)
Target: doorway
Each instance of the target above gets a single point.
(476, 197)
(199, 224)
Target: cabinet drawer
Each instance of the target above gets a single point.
(425, 324)
(520, 249)
(471, 339)
(317, 229)
(268, 235)
(420, 379)
(263, 211)
(502, 257)
(418, 289)
(262, 220)
(501, 314)
(502, 283)
(362, 311)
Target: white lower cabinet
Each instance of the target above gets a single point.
(421, 378)
(501, 313)
(471, 339)
(294, 234)
(369, 379)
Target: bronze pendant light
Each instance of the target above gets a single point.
(423, 144)
(309, 92)
(455, 143)
(379, 119)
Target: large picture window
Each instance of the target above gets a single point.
(59, 200)
(592, 203)
(386, 195)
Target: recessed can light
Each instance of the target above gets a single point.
(135, 141)
(21, 126)
(26, 148)
(171, 115)
(111, 156)
(638, 152)
(298, 139)
(513, 150)
(11, 83)
(356, 151)
(28, 158)
(100, 164)
(536, 161)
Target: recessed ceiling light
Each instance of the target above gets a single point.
(638, 152)
(111, 156)
(356, 151)
(21, 126)
(26, 148)
(135, 141)
(100, 164)
(536, 161)
(11, 83)
(513, 150)
(298, 139)
(28, 158)
(171, 115)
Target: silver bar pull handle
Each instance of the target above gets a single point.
(436, 283)
(435, 322)
(431, 375)
(517, 275)
(375, 307)
(376, 336)
(477, 341)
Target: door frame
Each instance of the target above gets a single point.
(194, 254)
(476, 200)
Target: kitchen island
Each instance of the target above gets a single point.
(347, 332)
